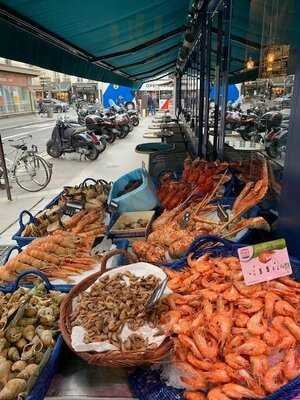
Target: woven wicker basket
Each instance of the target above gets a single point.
(111, 358)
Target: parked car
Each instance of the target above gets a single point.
(56, 105)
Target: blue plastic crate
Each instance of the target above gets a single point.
(146, 384)
(143, 198)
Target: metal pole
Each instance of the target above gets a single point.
(218, 81)
(207, 87)
(201, 55)
(4, 169)
(225, 73)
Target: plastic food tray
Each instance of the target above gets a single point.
(128, 233)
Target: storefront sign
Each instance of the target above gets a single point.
(11, 79)
(265, 261)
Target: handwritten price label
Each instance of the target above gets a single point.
(265, 261)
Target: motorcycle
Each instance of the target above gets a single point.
(276, 142)
(253, 127)
(102, 127)
(134, 117)
(84, 111)
(121, 120)
(66, 138)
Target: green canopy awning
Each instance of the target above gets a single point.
(122, 42)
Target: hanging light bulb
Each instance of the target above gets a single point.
(271, 57)
(250, 64)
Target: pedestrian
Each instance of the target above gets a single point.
(151, 105)
(40, 105)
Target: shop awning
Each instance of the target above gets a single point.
(122, 42)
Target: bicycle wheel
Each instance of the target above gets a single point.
(31, 173)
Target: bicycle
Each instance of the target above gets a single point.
(28, 169)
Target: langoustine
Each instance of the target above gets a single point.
(172, 236)
(59, 255)
(232, 339)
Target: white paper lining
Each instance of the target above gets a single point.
(139, 269)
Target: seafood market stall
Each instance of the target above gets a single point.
(169, 283)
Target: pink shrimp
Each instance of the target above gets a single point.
(201, 364)
(252, 347)
(206, 344)
(289, 282)
(288, 340)
(241, 320)
(284, 308)
(217, 394)
(217, 376)
(189, 395)
(270, 300)
(231, 294)
(274, 378)
(195, 378)
(208, 308)
(235, 391)
(170, 318)
(199, 319)
(271, 337)
(220, 327)
(292, 327)
(243, 376)
(190, 344)
(236, 361)
(256, 324)
(259, 366)
(250, 306)
(291, 367)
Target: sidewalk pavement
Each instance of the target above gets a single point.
(118, 158)
(24, 120)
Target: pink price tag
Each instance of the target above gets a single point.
(265, 261)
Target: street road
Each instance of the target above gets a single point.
(117, 159)
(64, 169)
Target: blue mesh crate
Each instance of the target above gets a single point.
(120, 244)
(147, 384)
(43, 381)
(21, 240)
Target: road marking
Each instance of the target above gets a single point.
(48, 125)
(14, 136)
(24, 134)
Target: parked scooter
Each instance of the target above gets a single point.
(276, 142)
(84, 111)
(71, 139)
(102, 127)
(254, 127)
(134, 117)
(120, 118)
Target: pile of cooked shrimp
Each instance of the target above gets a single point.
(232, 341)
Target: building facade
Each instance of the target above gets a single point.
(16, 94)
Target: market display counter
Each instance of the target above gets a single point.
(75, 379)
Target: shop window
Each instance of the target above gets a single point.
(14, 99)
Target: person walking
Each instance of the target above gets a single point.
(41, 106)
(151, 105)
